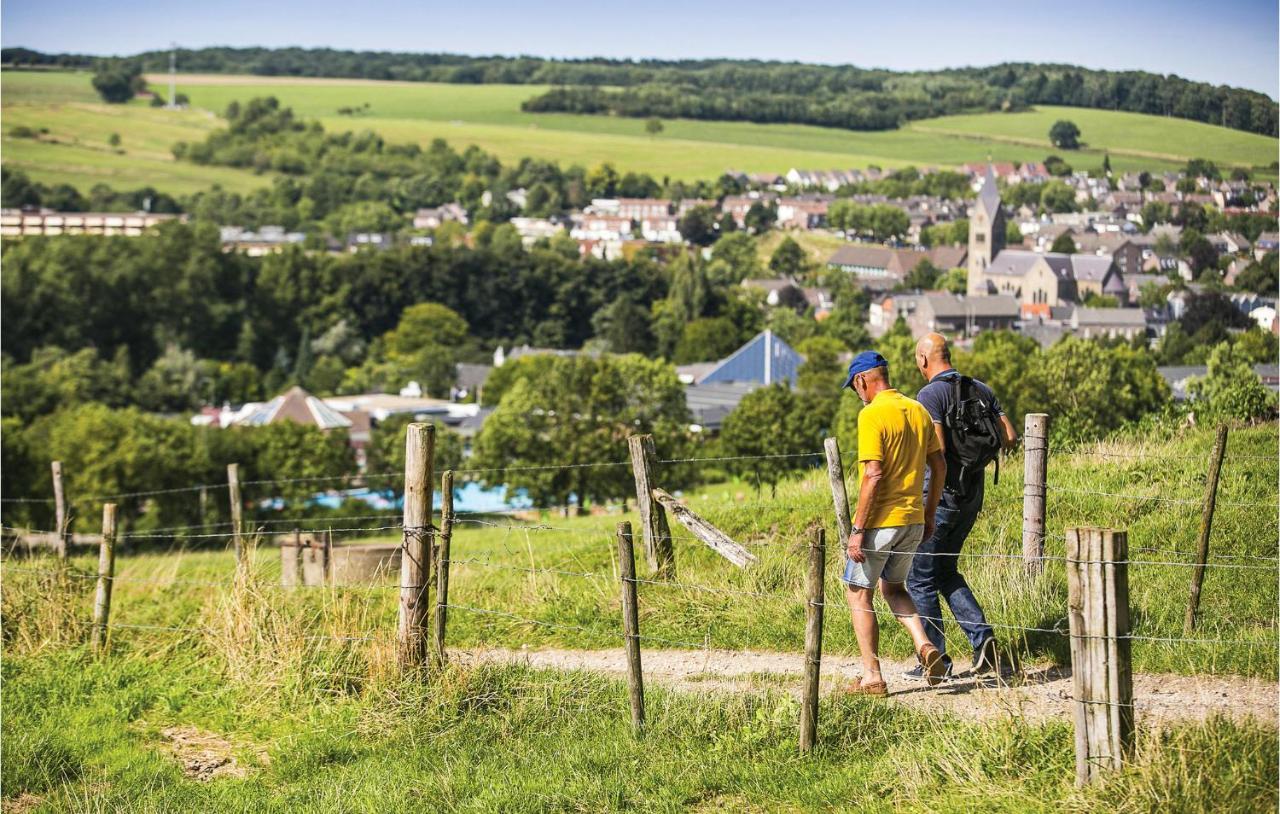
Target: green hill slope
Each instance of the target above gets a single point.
(489, 116)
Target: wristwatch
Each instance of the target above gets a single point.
(855, 530)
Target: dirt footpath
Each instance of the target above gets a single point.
(1041, 693)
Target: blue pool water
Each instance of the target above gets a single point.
(469, 497)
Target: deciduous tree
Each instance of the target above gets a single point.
(1065, 135)
(580, 410)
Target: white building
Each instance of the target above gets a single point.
(531, 230)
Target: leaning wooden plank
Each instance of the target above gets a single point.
(704, 531)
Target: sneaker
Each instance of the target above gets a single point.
(986, 658)
(917, 673)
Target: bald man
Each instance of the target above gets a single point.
(935, 573)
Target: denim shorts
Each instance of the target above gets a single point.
(888, 552)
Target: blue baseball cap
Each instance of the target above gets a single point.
(867, 360)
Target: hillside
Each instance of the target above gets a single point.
(490, 117)
(75, 149)
(1126, 134)
(843, 96)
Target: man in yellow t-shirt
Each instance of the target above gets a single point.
(896, 441)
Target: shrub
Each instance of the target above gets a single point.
(1230, 389)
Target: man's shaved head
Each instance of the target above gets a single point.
(934, 347)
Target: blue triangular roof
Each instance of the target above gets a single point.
(765, 359)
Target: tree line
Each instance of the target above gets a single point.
(560, 421)
(103, 336)
(171, 322)
(886, 103)
(749, 90)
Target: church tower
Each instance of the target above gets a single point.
(986, 233)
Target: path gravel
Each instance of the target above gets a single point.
(1041, 693)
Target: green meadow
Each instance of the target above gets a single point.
(74, 127)
(1131, 135)
(489, 116)
(300, 686)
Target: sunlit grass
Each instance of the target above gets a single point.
(489, 116)
(561, 574)
(304, 687)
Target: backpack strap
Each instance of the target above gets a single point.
(957, 397)
(957, 418)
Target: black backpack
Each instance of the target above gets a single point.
(974, 436)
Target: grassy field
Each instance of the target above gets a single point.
(818, 244)
(490, 117)
(75, 150)
(87, 736)
(302, 685)
(1128, 134)
(1157, 500)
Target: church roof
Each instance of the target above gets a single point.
(1013, 262)
(1092, 267)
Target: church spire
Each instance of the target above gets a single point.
(989, 195)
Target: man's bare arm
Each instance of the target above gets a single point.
(1010, 434)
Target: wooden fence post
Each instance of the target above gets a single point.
(839, 492)
(233, 489)
(61, 518)
(1035, 451)
(1077, 551)
(313, 573)
(631, 624)
(291, 561)
(1119, 709)
(442, 564)
(813, 638)
(1098, 614)
(106, 576)
(658, 550)
(1206, 524)
(328, 557)
(415, 553)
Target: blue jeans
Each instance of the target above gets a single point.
(935, 577)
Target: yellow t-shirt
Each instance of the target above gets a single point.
(898, 432)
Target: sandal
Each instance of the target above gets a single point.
(877, 689)
(935, 669)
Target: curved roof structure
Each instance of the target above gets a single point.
(300, 407)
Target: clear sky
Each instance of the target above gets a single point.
(1231, 42)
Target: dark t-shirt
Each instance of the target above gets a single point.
(937, 398)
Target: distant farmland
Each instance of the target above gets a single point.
(490, 117)
(76, 151)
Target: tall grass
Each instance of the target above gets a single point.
(307, 676)
(83, 735)
(534, 574)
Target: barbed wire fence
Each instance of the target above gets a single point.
(424, 542)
